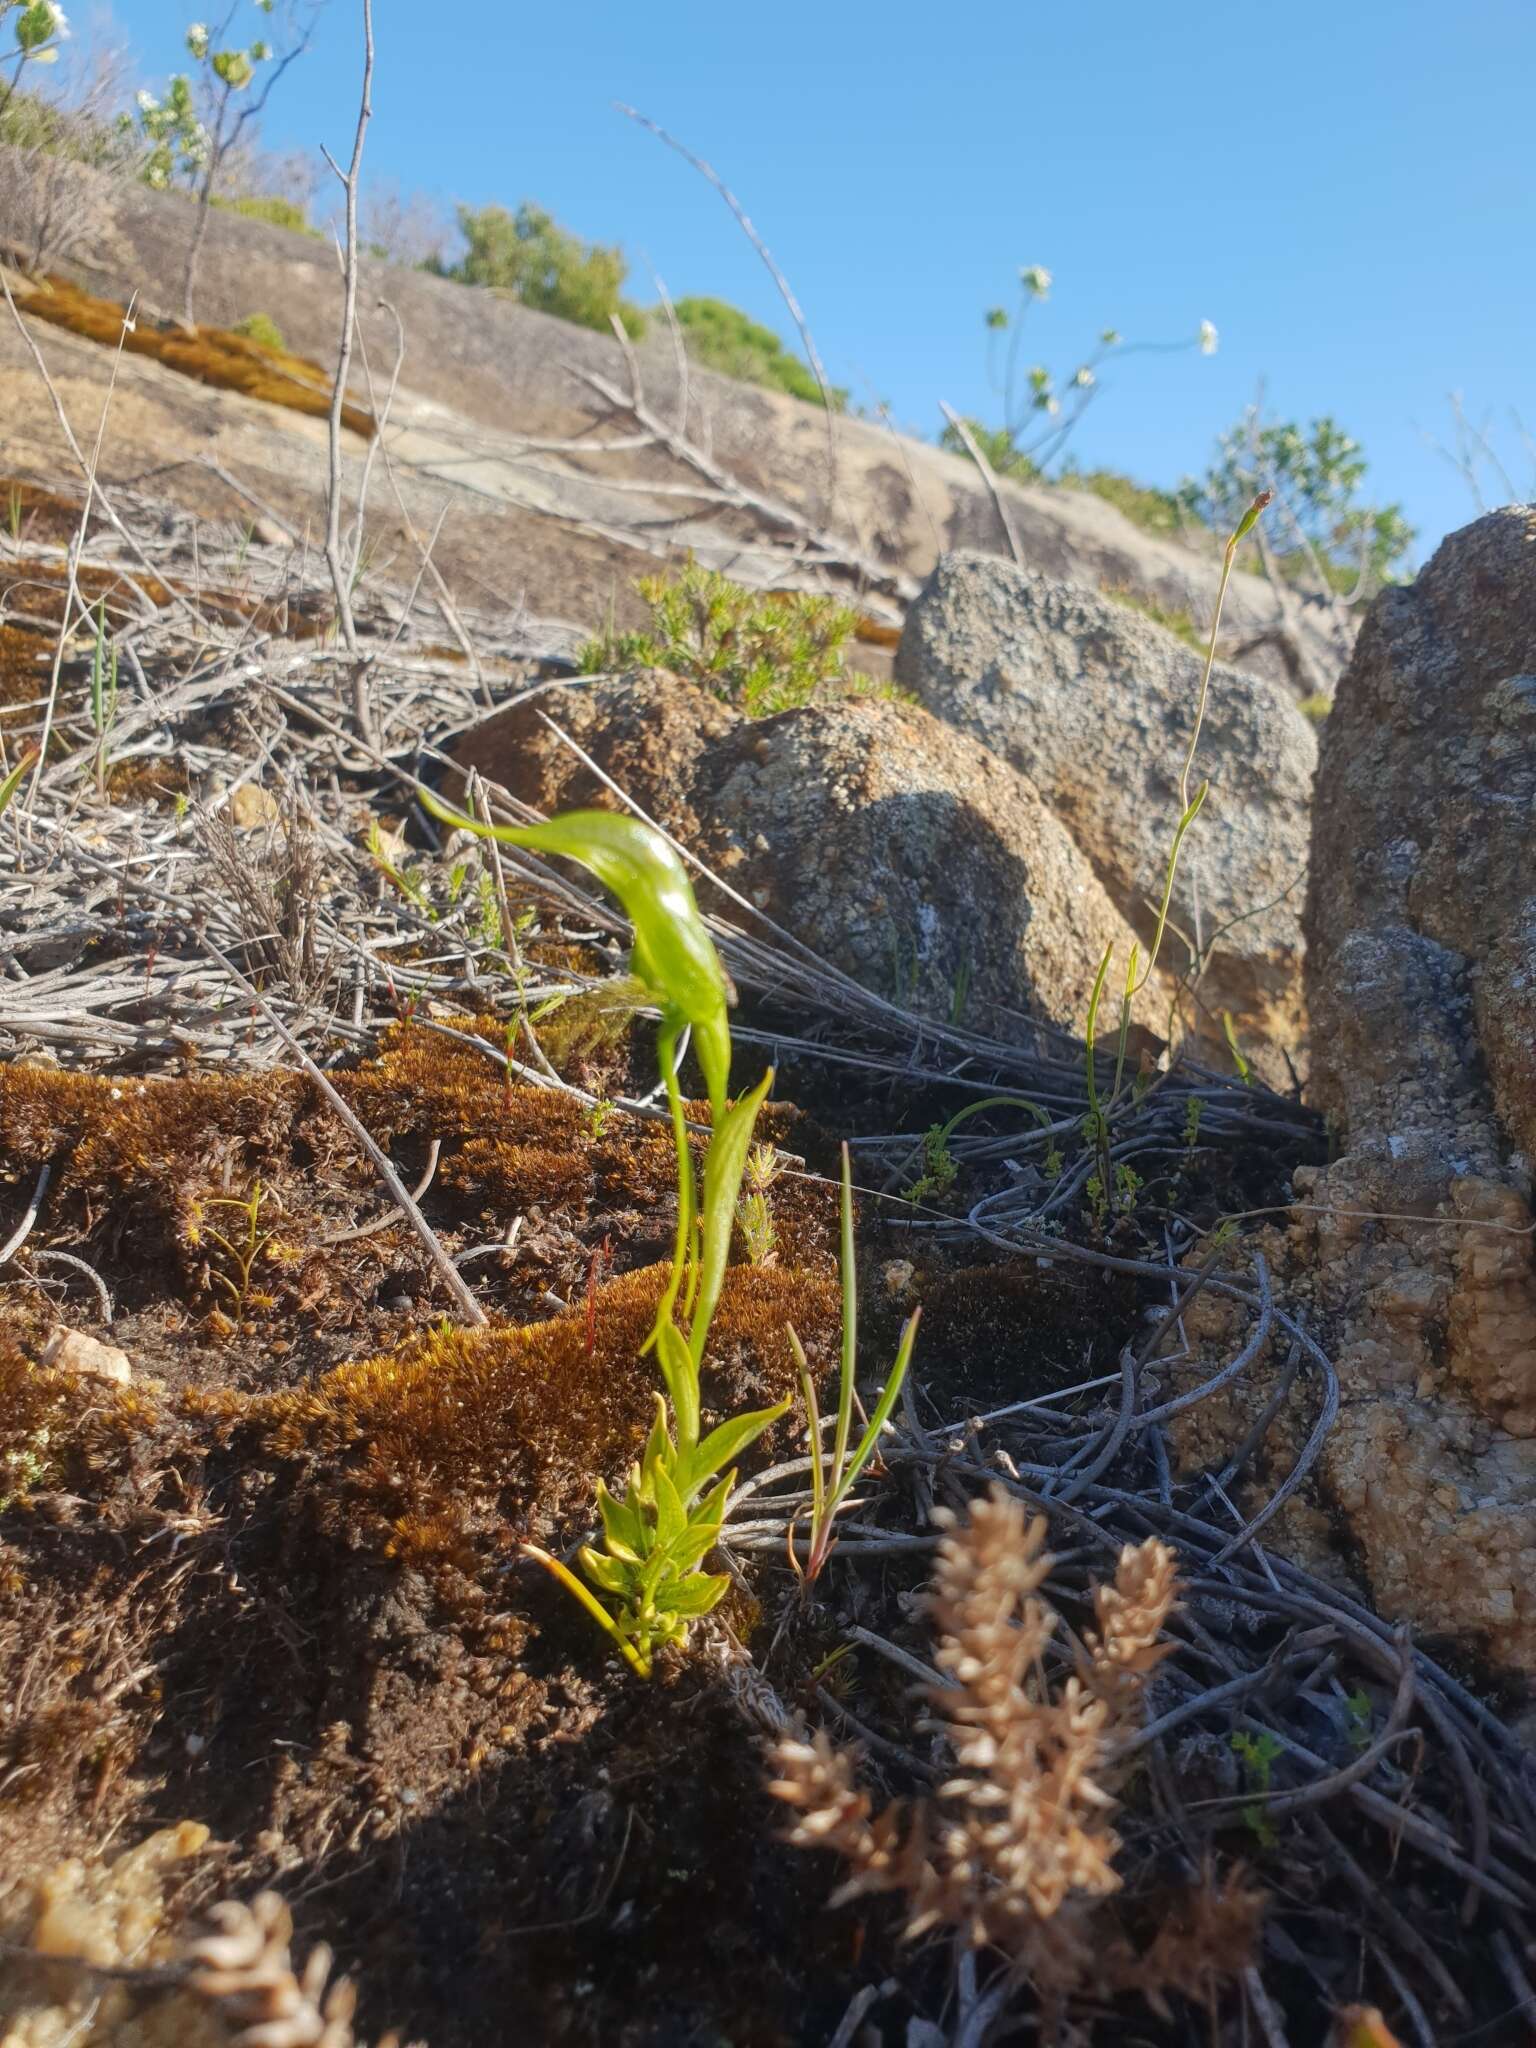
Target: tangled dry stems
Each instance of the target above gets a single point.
(1016, 1848)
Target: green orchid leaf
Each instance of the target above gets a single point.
(711, 1509)
(671, 1517)
(682, 1377)
(610, 1573)
(623, 1529)
(698, 1595)
(724, 1164)
(673, 953)
(722, 1445)
(658, 1445)
(688, 1551)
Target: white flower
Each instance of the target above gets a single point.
(60, 18)
(1036, 280)
(1208, 338)
(1084, 378)
(197, 39)
(147, 103)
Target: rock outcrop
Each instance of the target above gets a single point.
(1096, 704)
(1424, 880)
(896, 848)
(503, 442)
(1413, 1250)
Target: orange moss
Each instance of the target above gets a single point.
(519, 1420)
(37, 513)
(55, 1425)
(211, 355)
(152, 778)
(875, 632)
(25, 662)
(151, 1150)
(35, 589)
(423, 1083)
(502, 1175)
(140, 1165)
(132, 1137)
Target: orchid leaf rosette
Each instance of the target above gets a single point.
(648, 1568)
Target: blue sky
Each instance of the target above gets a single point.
(1347, 190)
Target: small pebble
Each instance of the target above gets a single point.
(73, 1351)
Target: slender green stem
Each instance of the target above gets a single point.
(594, 1606)
(813, 1426)
(884, 1409)
(994, 1102)
(1189, 806)
(1091, 1033)
(667, 1044)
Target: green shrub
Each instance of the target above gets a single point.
(539, 262)
(31, 123)
(1179, 622)
(1001, 451)
(761, 650)
(276, 211)
(721, 337)
(1155, 511)
(263, 330)
(1041, 407)
(1317, 474)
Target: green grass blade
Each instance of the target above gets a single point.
(850, 1279)
(13, 781)
(721, 1446)
(884, 1409)
(813, 1420)
(724, 1165)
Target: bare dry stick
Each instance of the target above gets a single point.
(883, 412)
(333, 555)
(679, 352)
(878, 575)
(73, 444)
(72, 593)
(988, 477)
(807, 340)
(380, 422)
(445, 603)
(472, 1311)
(219, 144)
